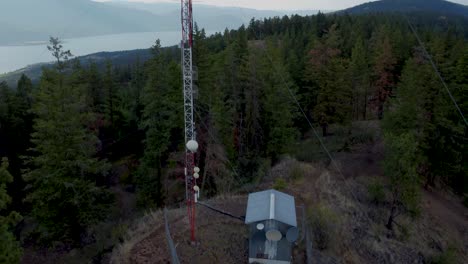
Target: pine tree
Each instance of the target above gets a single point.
(384, 76)
(63, 168)
(401, 165)
(111, 99)
(95, 91)
(359, 67)
(460, 181)
(10, 250)
(160, 117)
(278, 110)
(5, 101)
(329, 71)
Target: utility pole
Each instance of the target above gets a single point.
(191, 172)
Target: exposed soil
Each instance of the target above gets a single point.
(220, 239)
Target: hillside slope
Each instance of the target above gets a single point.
(118, 59)
(432, 6)
(354, 225)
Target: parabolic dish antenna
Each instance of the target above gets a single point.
(274, 235)
(192, 145)
(292, 234)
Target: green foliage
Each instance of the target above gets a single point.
(61, 56)
(10, 250)
(323, 222)
(376, 192)
(296, 172)
(449, 256)
(160, 98)
(423, 110)
(280, 184)
(400, 165)
(341, 68)
(279, 113)
(311, 150)
(359, 70)
(63, 171)
(329, 70)
(384, 70)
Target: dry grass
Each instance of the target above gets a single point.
(359, 235)
(141, 229)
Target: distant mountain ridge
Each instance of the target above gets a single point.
(433, 6)
(206, 16)
(36, 20)
(118, 59)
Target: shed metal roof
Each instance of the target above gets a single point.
(271, 205)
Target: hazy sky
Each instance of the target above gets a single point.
(281, 4)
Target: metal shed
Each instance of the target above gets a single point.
(271, 216)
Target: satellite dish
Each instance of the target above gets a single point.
(260, 226)
(196, 175)
(274, 235)
(196, 188)
(196, 170)
(192, 145)
(292, 234)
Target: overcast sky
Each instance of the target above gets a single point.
(281, 4)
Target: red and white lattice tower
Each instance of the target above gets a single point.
(191, 187)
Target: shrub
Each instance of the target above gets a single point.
(323, 222)
(296, 172)
(376, 192)
(280, 184)
(446, 257)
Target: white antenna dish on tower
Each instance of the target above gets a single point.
(196, 170)
(196, 175)
(192, 145)
(196, 188)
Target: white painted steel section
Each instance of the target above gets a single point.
(272, 206)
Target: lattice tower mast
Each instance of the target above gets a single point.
(191, 188)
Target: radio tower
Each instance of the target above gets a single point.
(191, 172)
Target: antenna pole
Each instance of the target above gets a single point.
(190, 136)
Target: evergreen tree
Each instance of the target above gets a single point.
(10, 250)
(63, 169)
(401, 165)
(384, 76)
(329, 71)
(359, 67)
(96, 94)
(5, 101)
(110, 91)
(160, 117)
(279, 111)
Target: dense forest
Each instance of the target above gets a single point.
(83, 137)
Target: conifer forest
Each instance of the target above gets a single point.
(75, 145)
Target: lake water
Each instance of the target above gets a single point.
(17, 57)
